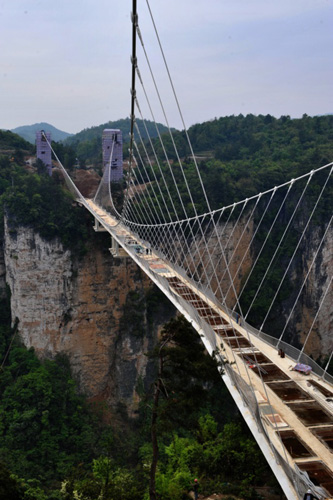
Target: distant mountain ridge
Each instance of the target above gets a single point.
(28, 132)
(123, 124)
(9, 141)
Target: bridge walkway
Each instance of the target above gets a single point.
(295, 410)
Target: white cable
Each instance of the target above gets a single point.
(298, 242)
(305, 279)
(252, 239)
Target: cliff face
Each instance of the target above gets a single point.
(95, 310)
(318, 295)
(232, 249)
(310, 288)
(83, 309)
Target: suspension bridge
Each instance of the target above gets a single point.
(216, 267)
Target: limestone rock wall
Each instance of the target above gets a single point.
(234, 250)
(95, 310)
(309, 298)
(79, 308)
(318, 295)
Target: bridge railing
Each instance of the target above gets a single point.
(244, 389)
(298, 478)
(291, 351)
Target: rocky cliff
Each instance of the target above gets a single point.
(93, 310)
(306, 308)
(318, 295)
(96, 310)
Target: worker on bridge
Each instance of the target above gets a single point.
(309, 496)
(196, 489)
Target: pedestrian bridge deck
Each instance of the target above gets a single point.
(295, 409)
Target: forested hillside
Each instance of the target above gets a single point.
(240, 156)
(124, 125)
(40, 202)
(28, 132)
(88, 143)
(10, 142)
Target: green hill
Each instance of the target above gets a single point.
(28, 132)
(244, 155)
(124, 124)
(10, 142)
(87, 144)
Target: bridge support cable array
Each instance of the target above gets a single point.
(233, 271)
(306, 226)
(212, 256)
(281, 205)
(175, 148)
(195, 251)
(236, 346)
(304, 283)
(190, 146)
(249, 246)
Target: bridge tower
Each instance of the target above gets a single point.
(112, 143)
(43, 141)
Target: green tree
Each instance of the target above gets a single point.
(45, 426)
(10, 488)
(179, 392)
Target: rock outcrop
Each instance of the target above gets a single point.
(84, 309)
(317, 298)
(95, 310)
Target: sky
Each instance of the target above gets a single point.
(67, 62)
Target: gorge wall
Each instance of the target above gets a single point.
(318, 294)
(97, 310)
(93, 310)
(310, 295)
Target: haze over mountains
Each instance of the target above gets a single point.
(28, 132)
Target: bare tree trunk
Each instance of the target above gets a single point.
(152, 492)
(159, 388)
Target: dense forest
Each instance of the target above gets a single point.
(240, 156)
(13, 147)
(54, 445)
(28, 132)
(87, 143)
(39, 201)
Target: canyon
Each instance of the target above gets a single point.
(105, 314)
